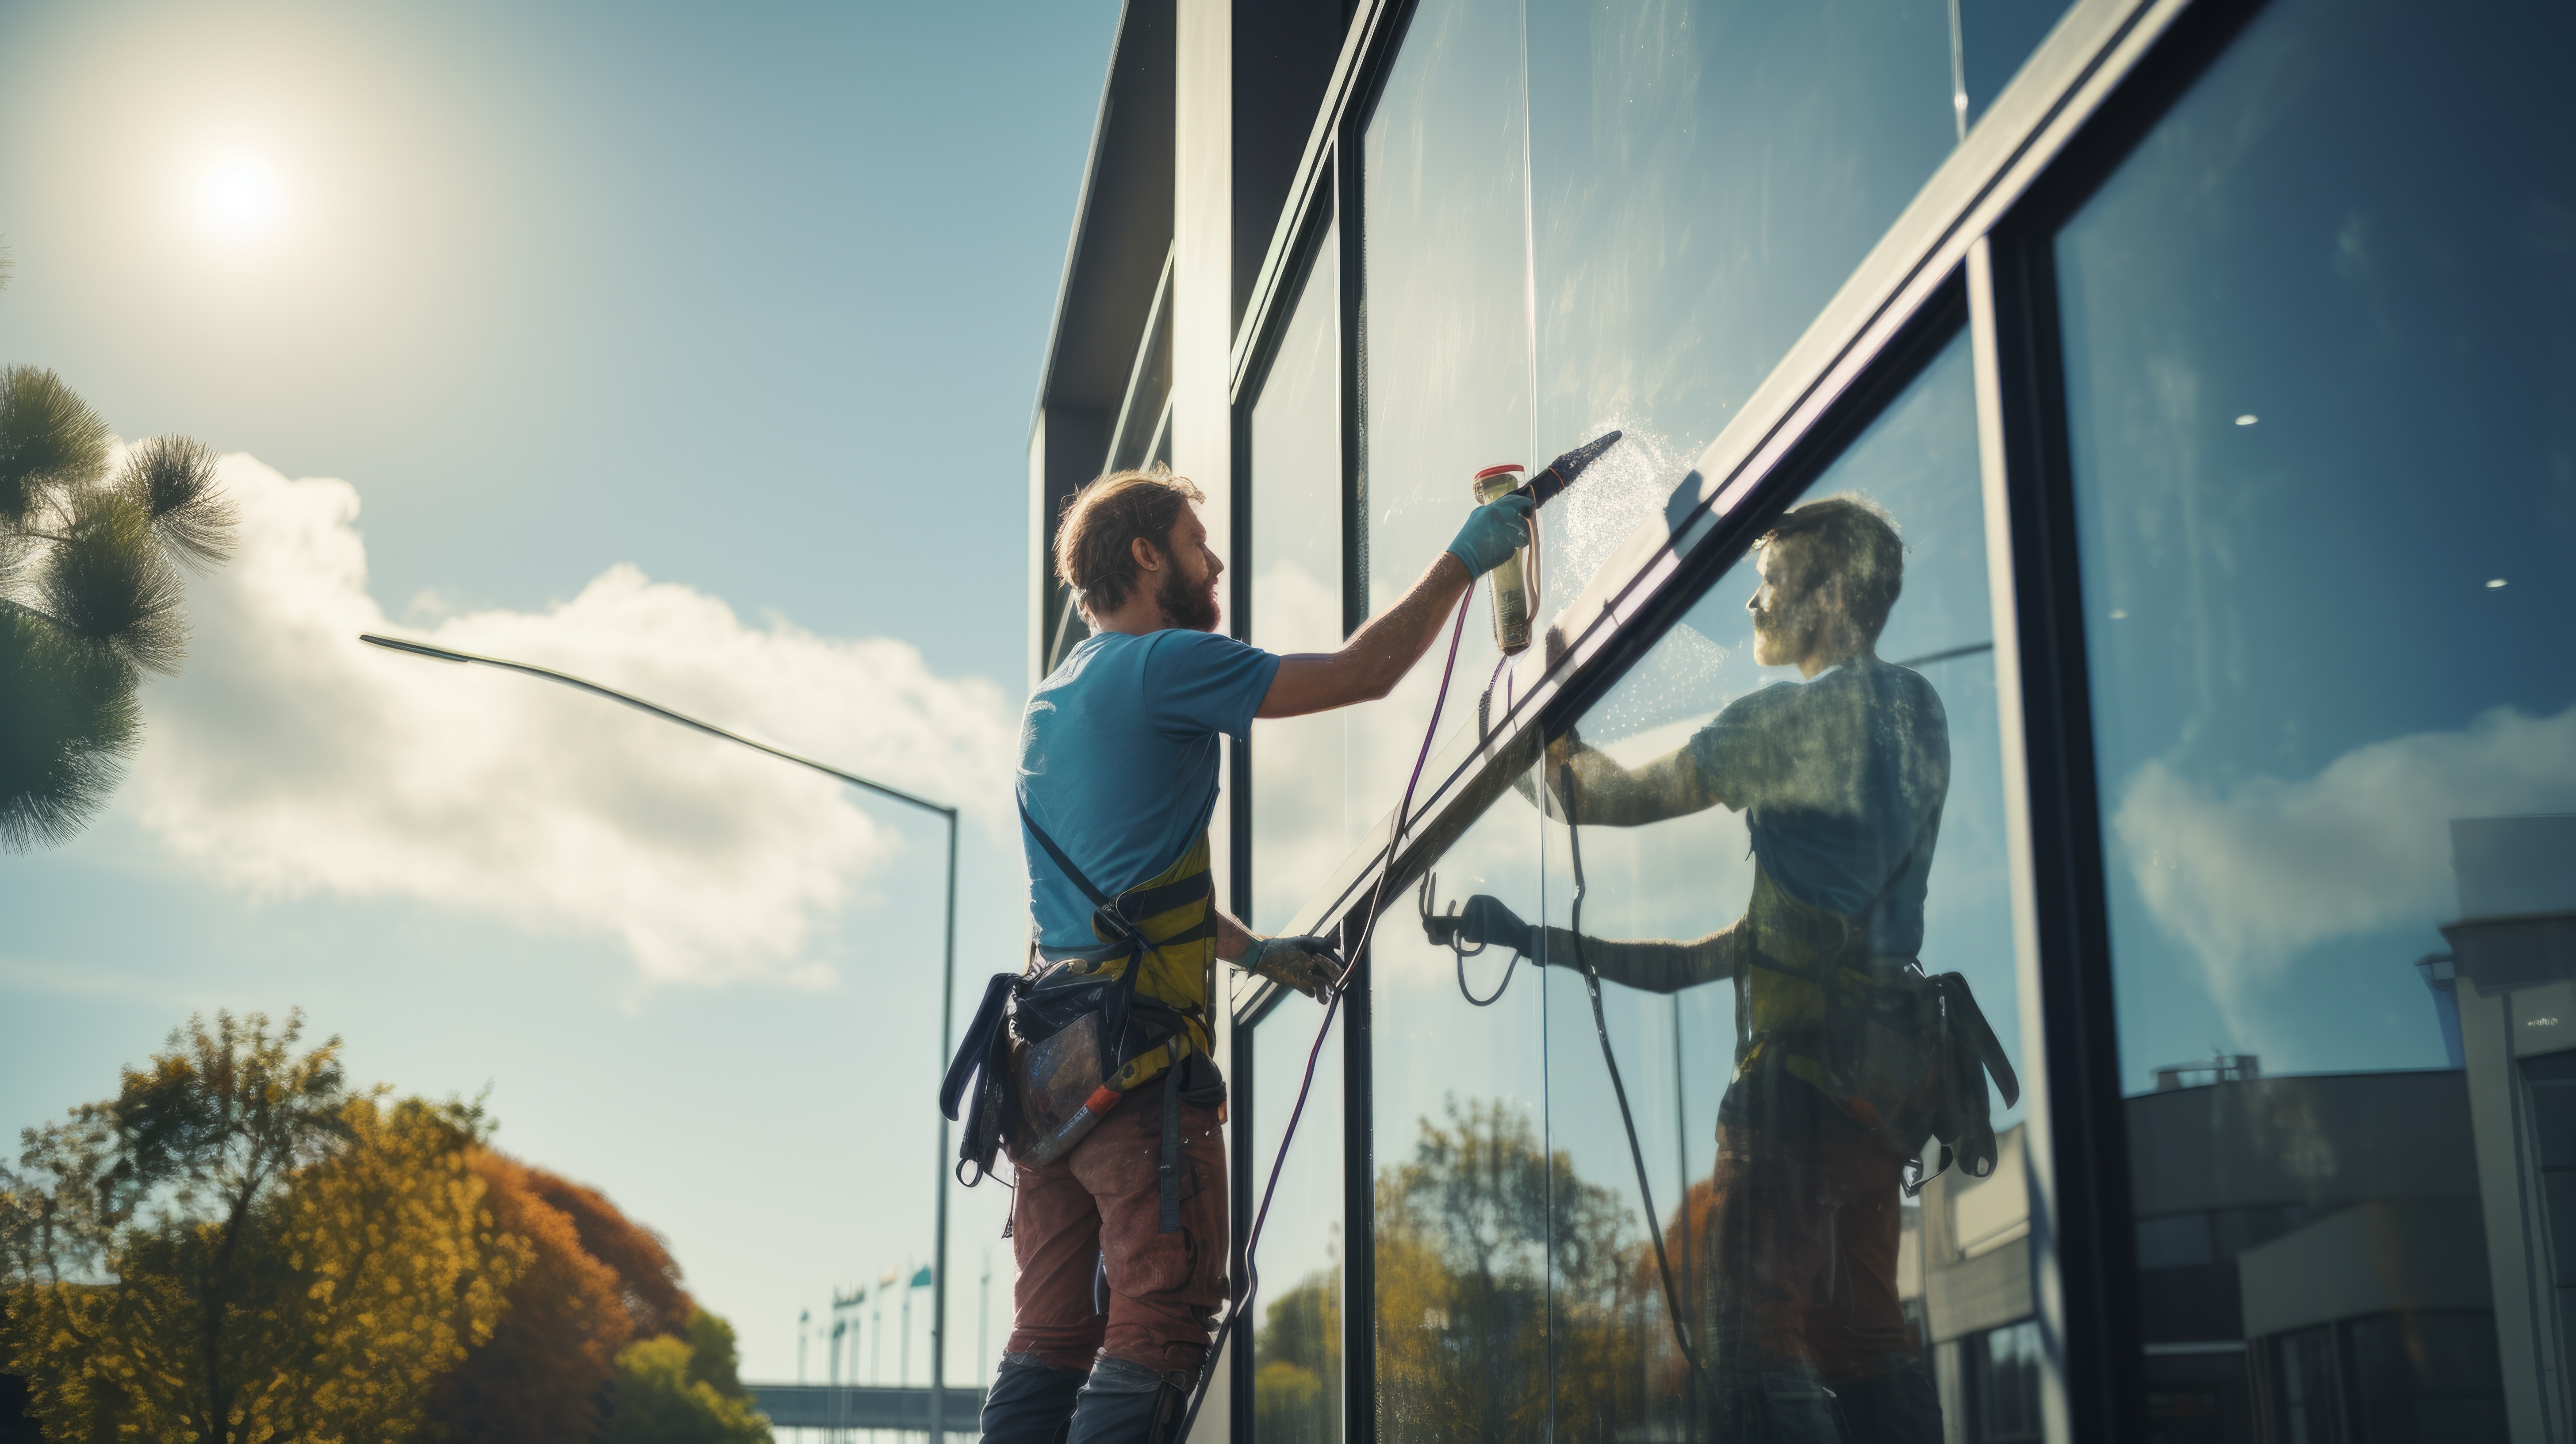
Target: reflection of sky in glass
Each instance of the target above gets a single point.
(1299, 824)
(2320, 349)
(1447, 336)
(1995, 36)
(1690, 876)
(1703, 177)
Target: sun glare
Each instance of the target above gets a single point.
(241, 199)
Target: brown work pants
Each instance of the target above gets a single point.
(1802, 1236)
(1101, 1207)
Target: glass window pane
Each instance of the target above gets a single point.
(1297, 1316)
(2319, 366)
(1447, 378)
(1812, 792)
(1704, 175)
(2006, 1385)
(1995, 37)
(1463, 1168)
(1299, 828)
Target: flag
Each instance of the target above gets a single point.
(921, 1280)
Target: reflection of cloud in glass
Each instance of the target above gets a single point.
(2248, 875)
(1297, 794)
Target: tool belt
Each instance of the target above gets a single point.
(1901, 1052)
(1054, 1048)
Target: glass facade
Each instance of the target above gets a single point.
(1301, 821)
(2318, 374)
(1753, 776)
(2214, 751)
(1703, 177)
(1464, 1174)
(1296, 1324)
(1445, 331)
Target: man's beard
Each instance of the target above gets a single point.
(1184, 605)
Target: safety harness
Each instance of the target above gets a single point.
(1139, 1000)
(1898, 1051)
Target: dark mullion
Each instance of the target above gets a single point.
(1240, 1150)
(1359, 1248)
(1238, 782)
(1354, 379)
(1359, 1245)
(2095, 1242)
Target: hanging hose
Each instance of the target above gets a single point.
(1358, 952)
(1628, 1120)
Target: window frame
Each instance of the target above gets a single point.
(1971, 248)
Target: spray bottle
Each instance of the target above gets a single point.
(1511, 590)
(1516, 581)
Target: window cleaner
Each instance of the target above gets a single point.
(1122, 1242)
(1500, 482)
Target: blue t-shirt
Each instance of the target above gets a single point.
(1118, 761)
(1841, 781)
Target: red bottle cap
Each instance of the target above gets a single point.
(1495, 471)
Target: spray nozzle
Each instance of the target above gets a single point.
(1515, 585)
(1559, 474)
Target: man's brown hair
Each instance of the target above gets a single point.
(1850, 537)
(1093, 551)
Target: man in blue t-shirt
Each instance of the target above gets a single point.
(1118, 781)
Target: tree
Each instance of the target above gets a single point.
(1297, 1389)
(89, 594)
(684, 1391)
(596, 1282)
(1495, 1264)
(237, 1248)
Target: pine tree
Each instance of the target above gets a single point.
(89, 595)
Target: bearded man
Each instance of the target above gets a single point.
(1122, 1241)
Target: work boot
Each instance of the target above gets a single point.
(1126, 1403)
(1900, 1406)
(1029, 1403)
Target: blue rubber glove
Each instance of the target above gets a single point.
(1493, 532)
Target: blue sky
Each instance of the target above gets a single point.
(690, 350)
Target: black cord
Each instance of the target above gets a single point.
(1357, 955)
(1496, 996)
(1601, 1029)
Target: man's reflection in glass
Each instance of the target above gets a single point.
(1841, 777)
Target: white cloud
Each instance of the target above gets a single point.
(289, 759)
(2248, 876)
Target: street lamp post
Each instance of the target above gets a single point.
(948, 962)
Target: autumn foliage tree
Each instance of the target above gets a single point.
(239, 1248)
(595, 1284)
(1494, 1257)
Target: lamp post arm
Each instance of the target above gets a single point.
(948, 969)
(443, 654)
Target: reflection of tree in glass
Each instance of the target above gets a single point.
(1462, 1278)
(1297, 1389)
